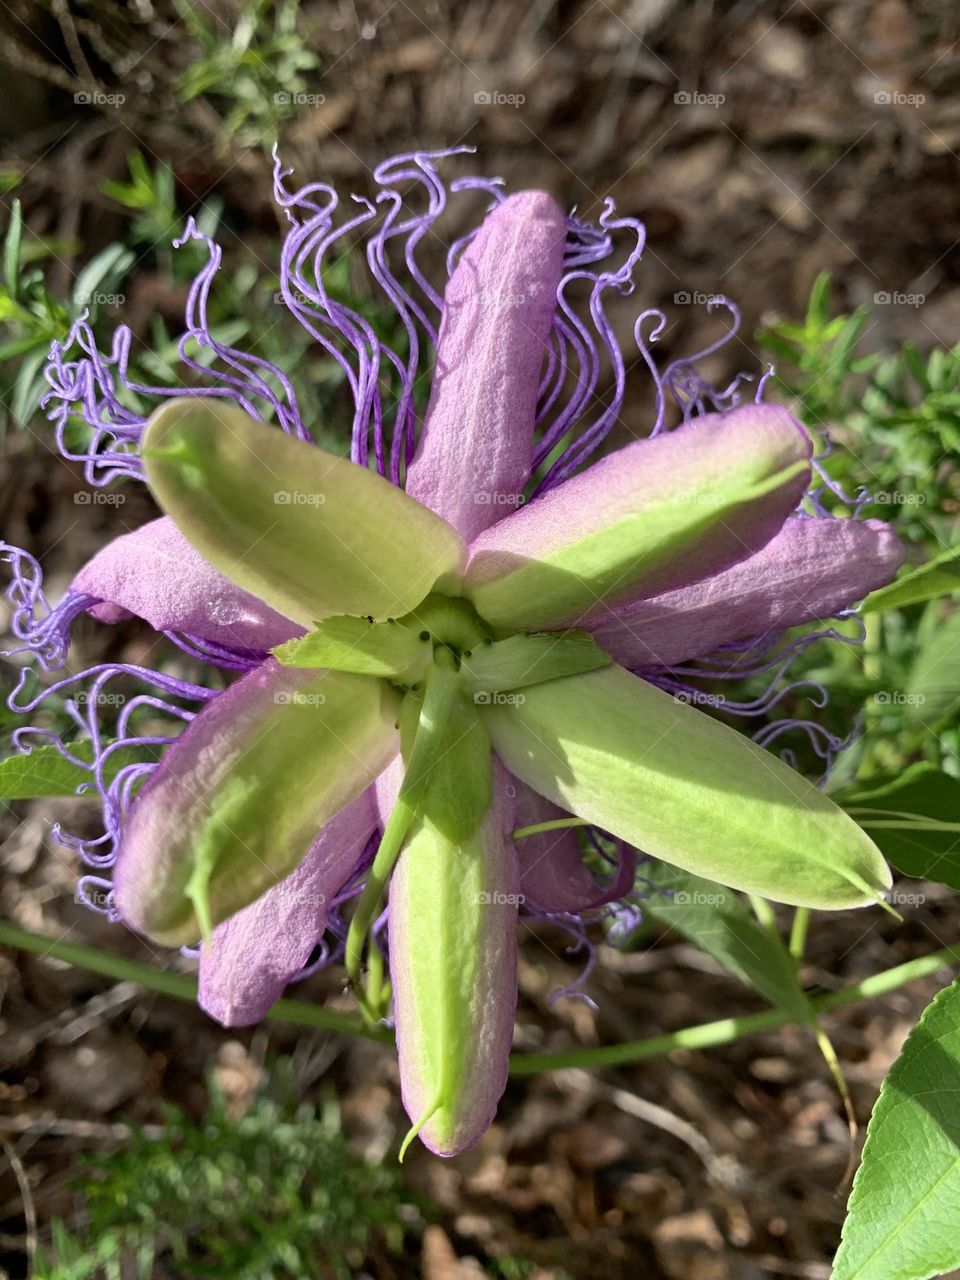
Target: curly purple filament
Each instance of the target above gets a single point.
(581, 395)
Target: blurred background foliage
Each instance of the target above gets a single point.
(812, 204)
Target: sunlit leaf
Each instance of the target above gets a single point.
(937, 577)
(45, 772)
(902, 1215)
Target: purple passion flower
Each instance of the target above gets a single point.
(444, 646)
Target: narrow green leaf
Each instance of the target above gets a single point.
(714, 919)
(913, 361)
(45, 772)
(933, 688)
(520, 660)
(111, 262)
(938, 577)
(17, 346)
(11, 249)
(356, 644)
(29, 386)
(818, 307)
(676, 783)
(902, 1214)
(310, 533)
(915, 819)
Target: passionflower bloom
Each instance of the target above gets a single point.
(431, 674)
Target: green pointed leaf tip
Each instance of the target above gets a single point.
(312, 534)
(391, 649)
(244, 790)
(686, 788)
(902, 1214)
(915, 819)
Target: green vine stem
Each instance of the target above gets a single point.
(705, 1036)
(708, 1035)
(178, 985)
(798, 933)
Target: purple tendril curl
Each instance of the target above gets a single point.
(99, 413)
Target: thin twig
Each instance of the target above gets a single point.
(722, 1169)
(47, 1126)
(29, 1208)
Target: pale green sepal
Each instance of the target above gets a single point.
(310, 533)
(668, 778)
(453, 920)
(616, 562)
(242, 794)
(349, 643)
(519, 661)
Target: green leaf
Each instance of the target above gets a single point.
(913, 363)
(519, 660)
(45, 772)
(17, 346)
(937, 577)
(715, 920)
(609, 747)
(356, 644)
(903, 1209)
(915, 819)
(933, 689)
(112, 262)
(29, 385)
(312, 534)
(818, 307)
